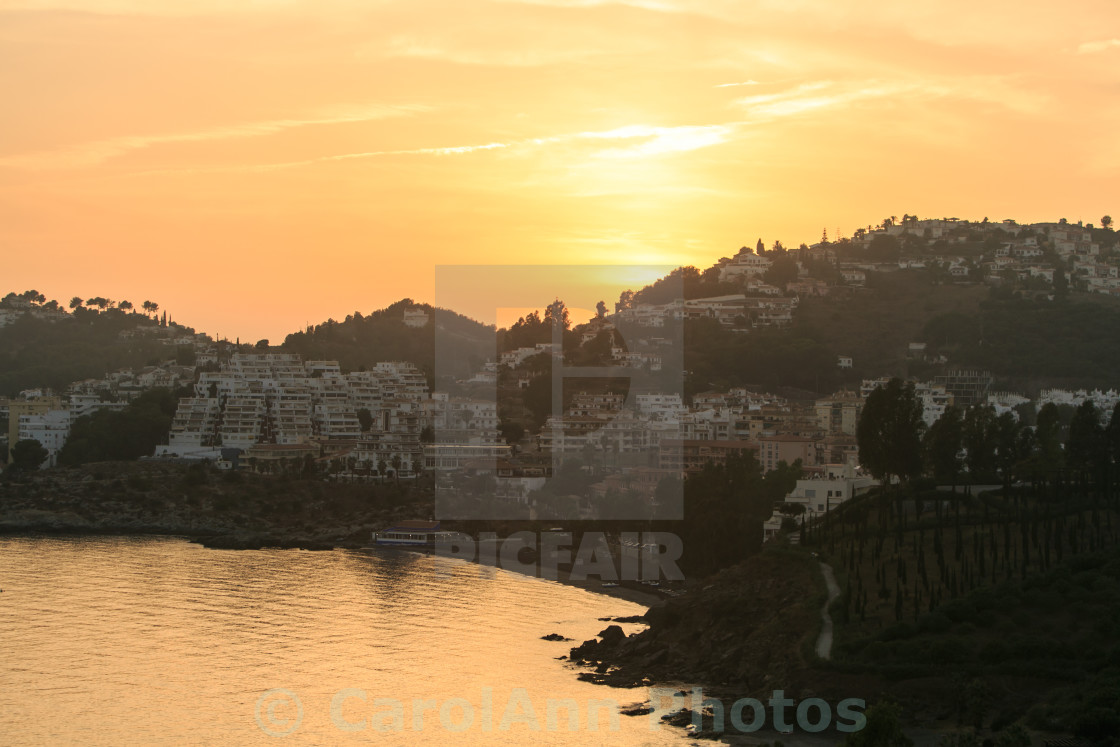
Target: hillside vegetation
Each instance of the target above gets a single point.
(36, 352)
(361, 341)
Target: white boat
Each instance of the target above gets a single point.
(413, 533)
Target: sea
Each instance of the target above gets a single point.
(123, 640)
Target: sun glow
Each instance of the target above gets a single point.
(338, 152)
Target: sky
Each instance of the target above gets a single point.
(257, 165)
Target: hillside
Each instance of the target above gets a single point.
(1031, 344)
(979, 615)
(874, 325)
(364, 340)
(37, 352)
(984, 610)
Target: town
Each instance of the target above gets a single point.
(264, 409)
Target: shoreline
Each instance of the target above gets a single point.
(254, 541)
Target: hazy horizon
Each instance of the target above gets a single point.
(214, 156)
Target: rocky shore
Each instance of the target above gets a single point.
(746, 632)
(220, 510)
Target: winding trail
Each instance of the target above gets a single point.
(824, 641)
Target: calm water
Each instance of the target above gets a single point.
(125, 640)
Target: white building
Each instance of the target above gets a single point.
(836, 484)
(745, 263)
(50, 429)
(415, 318)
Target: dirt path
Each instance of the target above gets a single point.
(824, 642)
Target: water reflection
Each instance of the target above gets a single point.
(126, 640)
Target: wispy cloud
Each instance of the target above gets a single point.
(807, 97)
(1102, 45)
(733, 85)
(444, 151)
(653, 141)
(94, 153)
(793, 101)
(658, 140)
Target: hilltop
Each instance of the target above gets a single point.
(1032, 304)
(44, 346)
(363, 340)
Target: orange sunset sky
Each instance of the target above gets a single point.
(254, 165)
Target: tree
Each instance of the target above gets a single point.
(724, 507)
(76, 302)
(557, 313)
(601, 309)
(117, 435)
(27, 455)
(1087, 444)
(890, 430)
(1061, 282)
(365, 419)
(942, 445)
(1009, 445)
(884, 248)
(1106, 222)
(308, 468)
(512, 432)
(1112, 434)
(125, 306)
(782, 270)
(980, 440)
(1048, 424)
(760, 248)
